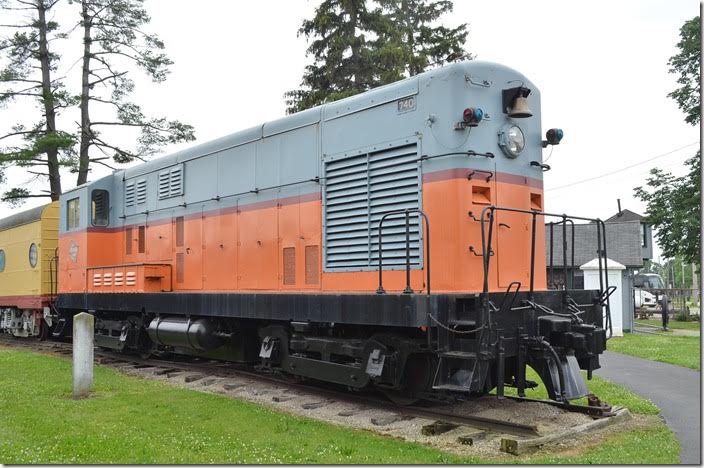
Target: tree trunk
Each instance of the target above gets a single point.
(52, 153)
(83, 159)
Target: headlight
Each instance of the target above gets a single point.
(511, 140)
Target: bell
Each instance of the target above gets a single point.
(520, 108)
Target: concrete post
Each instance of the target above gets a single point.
(82, 354)
(591, 281)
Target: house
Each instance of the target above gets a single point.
(629, 241)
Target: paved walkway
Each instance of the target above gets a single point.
(674, 389)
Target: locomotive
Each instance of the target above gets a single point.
(304, 246)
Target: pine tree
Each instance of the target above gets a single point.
(343, 57)
(356, 47)
(38, 146)
(113, 35)
(421, 45)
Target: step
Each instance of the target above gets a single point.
(451, 388)
(459, 355)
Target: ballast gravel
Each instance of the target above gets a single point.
(460, 440)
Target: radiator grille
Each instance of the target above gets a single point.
(359, 190)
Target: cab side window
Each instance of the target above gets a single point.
(100, 207)
(73, 213)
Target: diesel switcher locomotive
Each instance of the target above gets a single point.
(394, 239)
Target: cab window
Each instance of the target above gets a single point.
(100, 207)
(73, 213)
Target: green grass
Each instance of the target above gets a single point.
(678, 350)
(612, 394)
(130, 420)
(674, 324)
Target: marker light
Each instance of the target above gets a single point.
(472, 116)
(554, 135)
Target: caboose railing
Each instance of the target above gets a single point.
(488, 214)
(407, 214)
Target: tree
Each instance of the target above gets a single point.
(343, 58)
(687, 64)
(673, 202)
(356, 47)
(29, 74)
(419, 45)
(673, 208)
(113, 35)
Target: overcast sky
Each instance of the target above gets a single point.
(601, 67)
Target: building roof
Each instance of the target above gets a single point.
(594, 265)
(623, 244)
(625, 215)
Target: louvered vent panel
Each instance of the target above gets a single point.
(170, 182)
(358, 191)
(141, 191)
(129, 194)
(176, 182)
(164, 184)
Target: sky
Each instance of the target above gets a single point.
(601, 67)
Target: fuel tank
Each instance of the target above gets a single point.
(181, 332)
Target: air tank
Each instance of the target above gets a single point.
(181, 332)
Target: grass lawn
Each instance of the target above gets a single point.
(674, 324)
(678, 350)
(130, 420)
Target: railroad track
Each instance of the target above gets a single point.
(204, 368)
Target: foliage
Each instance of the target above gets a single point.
(130, 420)
(412, 43)
(673, 202)
(687, 64)
(343, 57)
(679, 350)
(673, 207)
(113, 36)
(114, 44)
(357, 45)
(29, 73)
(682, 317)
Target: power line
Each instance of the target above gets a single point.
(622, 169)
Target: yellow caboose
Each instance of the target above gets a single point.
(28, 270)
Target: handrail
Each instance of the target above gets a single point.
(551, 275)
(407, 213)
(601, 237)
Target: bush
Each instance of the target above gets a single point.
(683, 317)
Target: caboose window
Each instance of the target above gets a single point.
(100, 207)
(73, 213)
